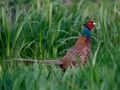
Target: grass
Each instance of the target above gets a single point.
(46, 29)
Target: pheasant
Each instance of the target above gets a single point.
(79, 53)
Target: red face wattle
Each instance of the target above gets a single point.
(90, 24)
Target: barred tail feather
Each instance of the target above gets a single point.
(30, 61)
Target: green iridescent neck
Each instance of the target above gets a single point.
(86, 32)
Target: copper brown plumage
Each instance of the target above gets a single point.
(80, 51)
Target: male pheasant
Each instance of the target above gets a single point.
(80, 50)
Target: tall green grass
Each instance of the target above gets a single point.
(46, 29)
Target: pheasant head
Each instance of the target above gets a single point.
(90, 24)
(87, 28)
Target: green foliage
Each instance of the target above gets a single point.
(46, 29)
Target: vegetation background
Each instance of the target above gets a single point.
(46, 29)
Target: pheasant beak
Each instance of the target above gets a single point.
(94, 23)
